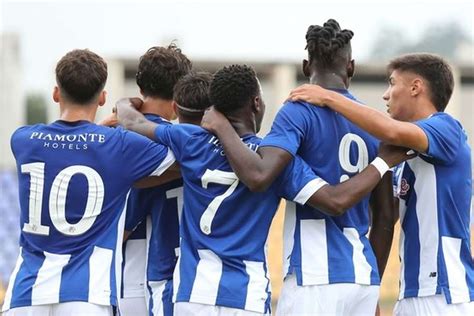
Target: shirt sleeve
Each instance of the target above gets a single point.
(174, 136)
(16, 140)
(145, 157)
(136, 208)
(289, 128)
(444, 137)
(298, 182)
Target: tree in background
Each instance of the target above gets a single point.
(443, 39)
(36, 109)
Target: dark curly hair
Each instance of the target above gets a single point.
(159, 69)
(81, 75)
(325, 44)
(434, 69)
(233, 87)
(191, 92)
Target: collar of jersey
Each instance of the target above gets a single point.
(73, 123)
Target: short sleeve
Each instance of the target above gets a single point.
(298, 182)
(288, 128)
(174, 136)
(16, 141)
(136, 211)
(144, 157)
(444, 137)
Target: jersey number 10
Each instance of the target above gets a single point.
(57, 199)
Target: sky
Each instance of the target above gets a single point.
(227, 30)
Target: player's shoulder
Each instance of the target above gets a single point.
(445, 118)
(188, 129)
(26, 131)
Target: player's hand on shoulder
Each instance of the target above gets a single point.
(110, 121)
(394, 155)
(214, 121)
(310, 93)
(135, 102)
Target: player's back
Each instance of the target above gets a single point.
(224, 226)
(73, 182)
(335, 149)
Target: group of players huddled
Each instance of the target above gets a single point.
(136, 215)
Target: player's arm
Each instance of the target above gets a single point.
(383, 221)
(130, 118)
(378, 124)
(334, 200)
(171, 174)
(257, 170)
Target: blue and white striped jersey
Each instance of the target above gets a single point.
(224, 226)
(318, 248)
(434, 191)
(134, 253)
(73, 182)
(161, 207)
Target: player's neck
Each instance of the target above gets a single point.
(241, 126)
(424, 109)
(74, 112)
(329, 80)
(158, 106)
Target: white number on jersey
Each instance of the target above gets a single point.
(220, 177)
(57, 199)
(178, 194)
(345, 158)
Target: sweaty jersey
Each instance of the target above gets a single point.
(224, 226)
(73, 182)
(154, 212)
(318, 248)
(434, 191)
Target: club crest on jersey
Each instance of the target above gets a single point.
(404, 187)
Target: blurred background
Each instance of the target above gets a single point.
(268, 35)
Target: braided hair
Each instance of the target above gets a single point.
(328, 43)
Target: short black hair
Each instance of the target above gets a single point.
(81, 76)
(434, 69)
(159, 69)
(328, 45)
(192, 92)
(233, 87)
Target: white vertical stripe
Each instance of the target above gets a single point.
(176, 277)
(157, 289)
(288, 235)
(427, 214)
(256, 288)
(455, 268)
(134, 268)
(100, 263)
(208, 276)
(314, 251)
(362, 268)
(118, 254)
(11, 282)
(48, 280)
(402, 207)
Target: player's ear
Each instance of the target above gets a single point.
(102, 97)
(351, 68)
(416, 87)
(56, 94)
(256, 106)
(175, 106)
(306, 71)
